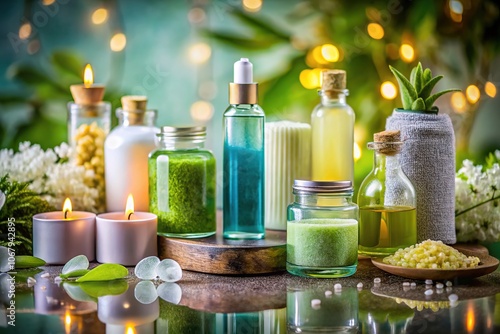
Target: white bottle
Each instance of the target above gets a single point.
(126, 151)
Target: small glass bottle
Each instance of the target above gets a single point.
(243, 189)
(88, 126)
(322, 230)
(332, 129)
(182, 183)
(386, 200)
(126, 149)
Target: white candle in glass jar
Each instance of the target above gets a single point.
(287, 158)
(126, 237)
(61, 235)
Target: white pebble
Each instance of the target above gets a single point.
(57, 279)
(413, 284)
(406, 283)
(360, 285)
(439, 291)
(337, 287)
(45, 275)
(376, 280)
(328, 293)
(428, 292)
(449, 283)
(439, 286)
(31, 280)
(428, 281)
(453, 298)
(315, 303)
(406, 288)
(449, 289)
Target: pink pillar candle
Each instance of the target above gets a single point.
(124, 241)
(57, 239)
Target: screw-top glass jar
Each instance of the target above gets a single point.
(322, 229)
(182, 183)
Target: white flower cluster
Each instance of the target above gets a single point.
(51, 175)
(473, 186)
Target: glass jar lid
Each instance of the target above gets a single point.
(305, 186)
(192, 132)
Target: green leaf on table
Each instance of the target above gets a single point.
(105, 272)
(107, 288)
(28, 261)
(76, 263)
(75, 273)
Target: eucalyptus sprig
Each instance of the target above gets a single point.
(416, 91)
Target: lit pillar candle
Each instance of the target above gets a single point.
(61, 235)
(126, 237)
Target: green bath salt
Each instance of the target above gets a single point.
(322, 243)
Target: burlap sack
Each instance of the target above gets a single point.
(428, 159)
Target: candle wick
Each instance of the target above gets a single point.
(130, 214)
(66, 214)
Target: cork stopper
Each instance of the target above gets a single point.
(387, 142)
(134, 103)
(87, 95)
(333, 80)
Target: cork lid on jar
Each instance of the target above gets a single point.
(387, 142)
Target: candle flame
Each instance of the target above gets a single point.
(88, 76)
(67, 208)
(129, 209)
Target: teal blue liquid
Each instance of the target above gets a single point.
(243, 188)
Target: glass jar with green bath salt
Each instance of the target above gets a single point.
(182, 183)
(322, 230)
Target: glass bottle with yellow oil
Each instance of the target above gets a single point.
(332, 128)
(386, 200)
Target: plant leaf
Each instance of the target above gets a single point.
(427, 89)
(260, 24)
(76, 263)
(412, 76)
(418, 104)
(99, 289)
(431, 99)
(75, 273)
(427, 75)
(251, 44)
(105, 272)
(419, 79)
(408, 93)
(67, 63)
(27, 261)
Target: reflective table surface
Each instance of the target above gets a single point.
(279, 303)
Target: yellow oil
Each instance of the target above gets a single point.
(383, 230)
(332, 143)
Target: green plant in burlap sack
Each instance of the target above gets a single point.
(416, 91)
(428, 154)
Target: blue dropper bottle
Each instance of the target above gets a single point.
(243, 189)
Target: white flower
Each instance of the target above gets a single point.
(50, 174)
(477, 203)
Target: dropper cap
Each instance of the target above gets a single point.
(243, 90)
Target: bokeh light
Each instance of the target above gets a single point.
(310, 79)
(99, 16)
(388, 90)
(196, 15)
(199, 53)
(48, 2)
(473, 94)
(202, 111)
(356, 151)
(458, 102)
(456, 10)
(407, 53)
(118, 42)
(330, 53)
(25, 30)
(375, 30)
(252, 5)
(317, 54)
(490, 89)
(33, 46)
